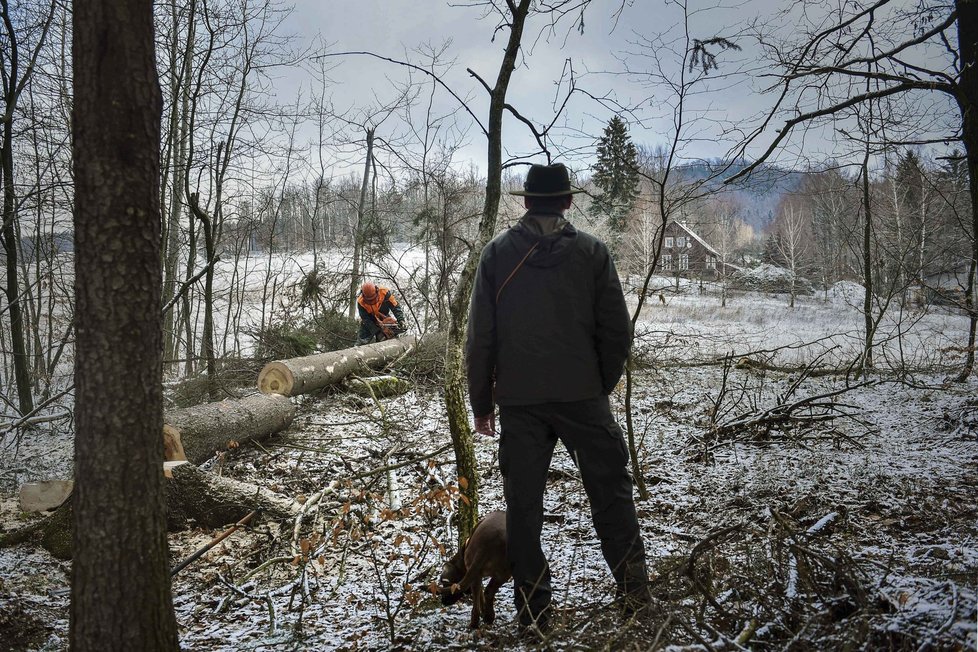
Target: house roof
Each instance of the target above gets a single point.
(698, 239)
(706, 245)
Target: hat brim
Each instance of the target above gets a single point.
(562, 193)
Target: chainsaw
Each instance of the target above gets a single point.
(390, 328)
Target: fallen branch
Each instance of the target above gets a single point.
(213, 542)
(807, 410)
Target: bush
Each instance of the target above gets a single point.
(425, 365)
(324, 332)
(279, 341)
(334, 331)
(769, 278)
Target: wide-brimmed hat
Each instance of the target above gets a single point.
(547, 181)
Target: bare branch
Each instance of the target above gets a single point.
(412, 66)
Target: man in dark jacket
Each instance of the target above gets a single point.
(375, 305)
(548, 336)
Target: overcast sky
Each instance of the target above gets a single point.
(612, 59)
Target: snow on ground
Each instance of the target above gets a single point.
(862, 528)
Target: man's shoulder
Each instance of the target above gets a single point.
(590, 243)
(501, 238)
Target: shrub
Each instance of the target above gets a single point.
(425, 365)
(334, 331)
(283, 340)
(329, 331)
(769, 278)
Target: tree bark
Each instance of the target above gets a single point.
(212, 427)
(967, 98)
(455, 404)
(314, 372)
(361, 222)
(120, 580)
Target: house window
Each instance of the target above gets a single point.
(711, 262)
(681, 242)
(666, 262)
(683, 262)
(668, 243)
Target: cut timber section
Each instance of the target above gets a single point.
(314, 372)
(212, 427)
(209, 500)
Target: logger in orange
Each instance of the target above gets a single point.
(381, 318)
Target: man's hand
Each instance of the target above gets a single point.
(486, 425)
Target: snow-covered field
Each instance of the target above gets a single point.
(860, 529)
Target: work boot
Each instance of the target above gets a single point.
(633, 601)
(632, 594)
(535, 629)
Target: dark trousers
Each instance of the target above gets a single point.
(597, 446)
(368, 333)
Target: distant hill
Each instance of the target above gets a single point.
(757, 195)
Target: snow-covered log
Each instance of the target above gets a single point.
(212, 501)
(206, 499)
(211, 427)
(314, 372)
(53, 533)
(378, 386)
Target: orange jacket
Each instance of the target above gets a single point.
(377, 311)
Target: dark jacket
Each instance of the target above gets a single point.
(559, 331)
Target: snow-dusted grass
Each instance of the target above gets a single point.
(694, 325)
(891, 494)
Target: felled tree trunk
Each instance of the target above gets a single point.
(53, 533)
(193, 434)
(211, 500)
(211, 427)
(192, 495)
(314, 372)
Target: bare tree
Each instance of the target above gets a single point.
(120, 572)
(827, 70)
(512, 16)
(792, 238)
(24, 32)
(678, 64)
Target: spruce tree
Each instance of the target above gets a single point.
(616, 176)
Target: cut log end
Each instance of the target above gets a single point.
(276, 378)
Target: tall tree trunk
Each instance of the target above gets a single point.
(11, 245)
(207, 331)
(967, 98)
(120, 575)
(867, 249)
(358, 229)
(14, 81)
(179, 118)
(455, 404)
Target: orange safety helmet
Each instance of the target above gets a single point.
(369, 292)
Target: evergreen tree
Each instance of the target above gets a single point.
(616, 176)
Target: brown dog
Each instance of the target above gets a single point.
(482, 555)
